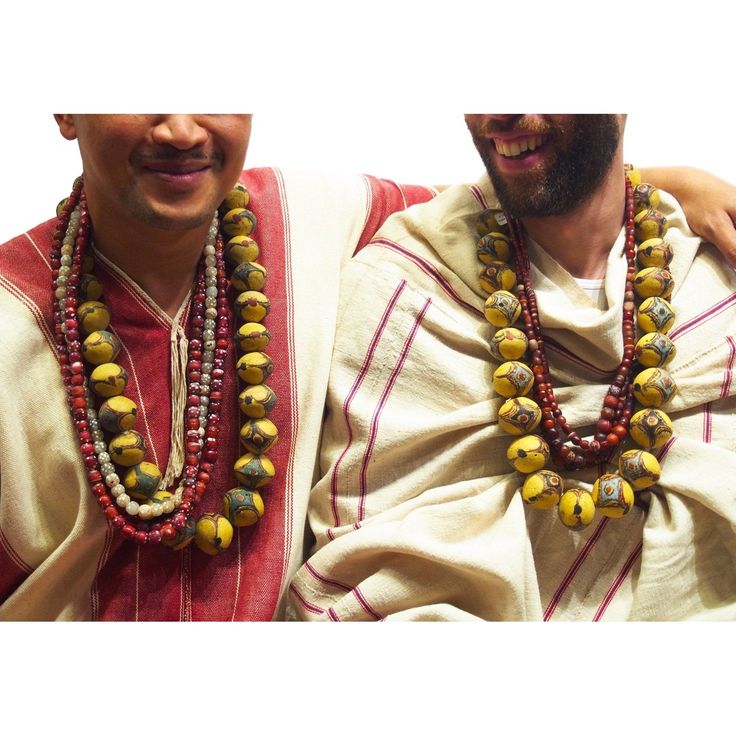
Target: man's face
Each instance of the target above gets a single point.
(544, 165)
(166, 171)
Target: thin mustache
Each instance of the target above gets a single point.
(175, 156)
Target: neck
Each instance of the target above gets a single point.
(162, 262)
(581, 239)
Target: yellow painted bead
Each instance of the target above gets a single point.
(654, 350)
(655, 315)
(61, 205)
(508, 344)
(160, 497)
(257, 401)
(542, 489)
(214, 534)
(241, 249)
(494, 246)
(633, 174)
(90, 289)
(650, 224)
(650, 428)
(88, 263)
(613, 496)
(654, 252)
(491, 221)
(238, 221)
(127, 448)
(253, 337)
(646, 196)
(640, 468)
(259, 435)
(528, 454)
(502, 308)
(497, 275)
(243, 507)
(117, 414)
(254, 367)
(254, 471)
(142, 480)
(100, 347)
(654, 387)
(184, 536)
(576, 508)
(236, 198)
(513, 378)
(653, 281)
(248, 276)
(519, 416)
(253, 306)
(108, 379)
(93, 316)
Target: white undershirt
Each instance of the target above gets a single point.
(594, 288)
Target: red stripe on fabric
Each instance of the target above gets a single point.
(707, 422)
(324, 579)
(625, 570)
(563, 351)
(477, 192)
(384, 198)
(429, 269)
(666, 448)
(381, 403)
(728, 374)
(305, 603)
(703, 317)
(351, 395)
(333, 615)
(13, 570)
(576, 565)
(365, 605)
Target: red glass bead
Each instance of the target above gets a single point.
(154, 537)
(613, 440)
(128, 531)
(141, 537)
(111, 512)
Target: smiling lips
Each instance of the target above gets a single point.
(517, 146)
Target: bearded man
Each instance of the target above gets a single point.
(538, 424)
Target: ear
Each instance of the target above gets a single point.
(67, 126)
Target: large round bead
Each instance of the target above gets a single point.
(653, 281)
(254, 367)
(497, 275)
(241, 249)
(513, 378)
(256, 401)
(253, 306)
(243, 507)
(259, 435)
(184, 536)
(654, 387)
(88, 263)
(494, 247)
(214, 533)
(528, 454)
(239, 221)
(491, 221)
(654, 349)
(542, 489)
(646, 197)
(508, 344)
(101, 346)
(632, 174)
(252, 337)
(142, 480)
(254, 471)
(654, 252)
(502, 308)
(650, 224)
(90, 289)
(248, 276)
(576, 508)
(236, 198)
(108, 379)
(93, 316)
(655, 315)
(650, 428)
(640, 468)
(519, 415)
(61, 205)
(613, 496)
(127, 448)
(162, 502)
(117, 414)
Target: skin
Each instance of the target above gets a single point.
(593, 218)
(153, 183)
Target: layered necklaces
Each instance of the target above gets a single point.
(640, 378)
(136, 499)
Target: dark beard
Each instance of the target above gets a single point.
(569, 179)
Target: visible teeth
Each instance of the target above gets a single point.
(518, 146)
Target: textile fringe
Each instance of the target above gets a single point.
(179, 356)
